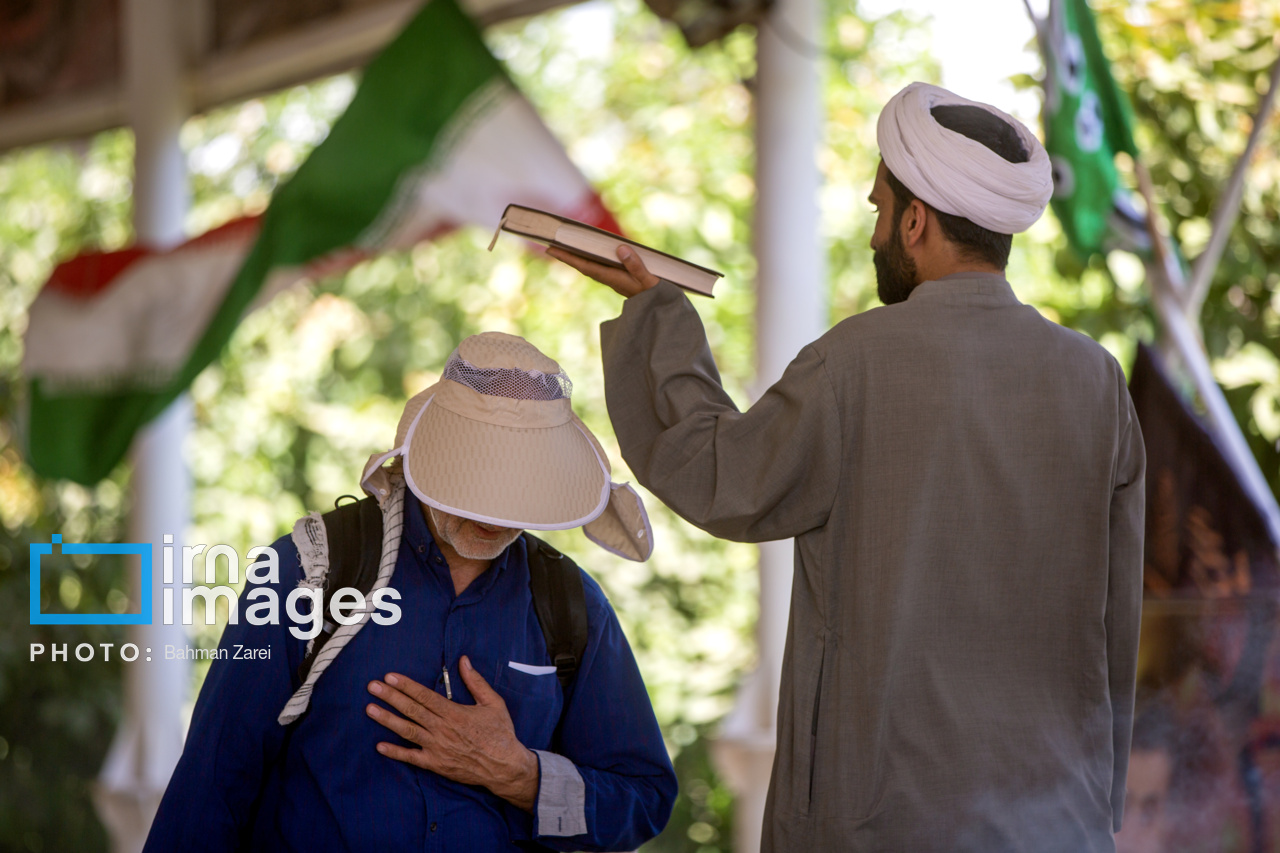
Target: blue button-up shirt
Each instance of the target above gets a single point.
(247, 783)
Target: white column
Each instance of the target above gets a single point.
(148, 742)
(791, 311)
(157, 98)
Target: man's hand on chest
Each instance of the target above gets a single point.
(471, 744)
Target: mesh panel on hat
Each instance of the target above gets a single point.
(502, 365)
(510, 382)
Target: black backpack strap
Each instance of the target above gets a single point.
(354, 531)
(561, 605)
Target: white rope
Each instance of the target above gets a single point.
(392, 530)
(312, 541)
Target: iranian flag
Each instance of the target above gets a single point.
(435, 138)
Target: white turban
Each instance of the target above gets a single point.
(959, 175)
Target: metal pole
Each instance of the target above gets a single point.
(791, 311)
(148, 743)
(1184, 334)
(1168, 293)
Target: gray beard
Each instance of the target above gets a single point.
(449, 528)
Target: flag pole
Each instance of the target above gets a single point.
(1037, 22)
(1224, 216)
(1170, 276)
(1165, 278)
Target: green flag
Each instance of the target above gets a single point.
(436, 137)
(1086, 123)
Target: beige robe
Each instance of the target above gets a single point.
(964, 480)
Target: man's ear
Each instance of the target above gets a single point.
(913, 223)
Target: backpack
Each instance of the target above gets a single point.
(354, 531)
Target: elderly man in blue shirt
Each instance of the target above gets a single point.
(447, 729)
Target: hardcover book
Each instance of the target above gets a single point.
(601, 246)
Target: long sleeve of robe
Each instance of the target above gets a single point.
(964, 482)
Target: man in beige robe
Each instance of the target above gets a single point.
(964, 482)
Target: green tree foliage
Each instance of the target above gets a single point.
(1197, 73)
(313, 383)
(55, 718)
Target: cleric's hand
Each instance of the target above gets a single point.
(633, 278)
(471, 744)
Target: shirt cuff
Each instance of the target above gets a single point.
(562, 795)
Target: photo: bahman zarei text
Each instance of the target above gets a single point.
(678, 426)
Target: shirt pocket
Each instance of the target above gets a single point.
(810, 767)
(531, 669)
(534, 700)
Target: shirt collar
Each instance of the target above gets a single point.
(967, 288)
(429, 557)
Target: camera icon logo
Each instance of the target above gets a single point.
(142, 617)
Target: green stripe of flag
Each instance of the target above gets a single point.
(410, 97)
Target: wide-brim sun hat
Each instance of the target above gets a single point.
(496, 440)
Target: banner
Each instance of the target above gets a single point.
(1086, 123)
(1209, 659)
(436, 137)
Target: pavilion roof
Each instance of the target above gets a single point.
(61, 61)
